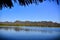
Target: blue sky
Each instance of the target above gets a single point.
(45, 11)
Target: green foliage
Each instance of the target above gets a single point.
(43, 24)
(9, 3)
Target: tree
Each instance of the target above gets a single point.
(9, 3)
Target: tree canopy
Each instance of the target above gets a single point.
(9, 3)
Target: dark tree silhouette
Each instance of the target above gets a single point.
(9, 3)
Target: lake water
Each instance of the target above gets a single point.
(29, 33)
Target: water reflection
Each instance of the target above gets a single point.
(30, 29)
(29, 33)
(15, 28)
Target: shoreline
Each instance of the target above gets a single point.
(31, 26)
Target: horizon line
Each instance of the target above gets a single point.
(30, 21)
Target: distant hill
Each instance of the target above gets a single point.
(30, 23)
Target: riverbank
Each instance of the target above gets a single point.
(31, 26)
(29, 23)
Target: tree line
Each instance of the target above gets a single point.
(30, 23)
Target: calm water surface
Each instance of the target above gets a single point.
(29, 33)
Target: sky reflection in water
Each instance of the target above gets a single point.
(29, 33)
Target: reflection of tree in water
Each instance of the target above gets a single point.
(21, 29)
(26, 29)
(17, 29)
(34, 30)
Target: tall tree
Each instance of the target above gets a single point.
(9, 3)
